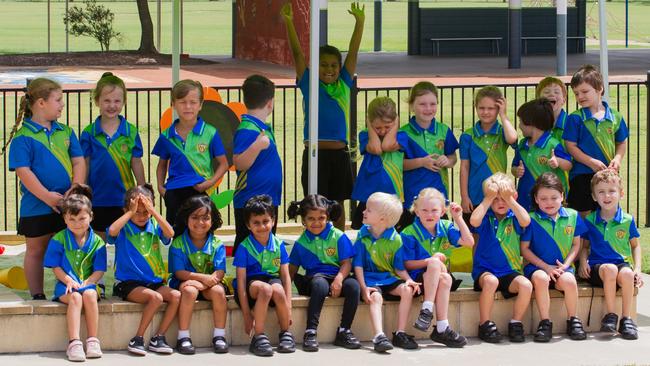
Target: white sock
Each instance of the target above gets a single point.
(341, 329)
(183, 334)
(441, 325)
(377, 336)
(514, 321)
(399, 331)
(428, 305)
(219, 332)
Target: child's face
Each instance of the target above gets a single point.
(329, 69)
(549, 200)
(608, 195)
(371, 215)
(553, 93)
(587, 96)
(429, 212)
(382, 126)
(51, 107)
(141, 216)
(487, 110)
(111, 102)
(78, 224)
(188, 108)
(199, 222)
(499, 205)
(315, 221)
(260, 226)
(526, 130)
(425, 107)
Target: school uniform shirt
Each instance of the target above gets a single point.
(77, 262)
(436, 140)
(610, 241)
(551, 239)
(110, 174)
(322, 253)
(137, 253)
(560, 125)
(497, 250)
(419, 243)
(333, 106)
(535, 158)
(190, 161)
(595, 138)
(185, 256)
(265, 174)
(48, 154)
(261, 260)
(380, 258)
(487, 154)
(380, 173)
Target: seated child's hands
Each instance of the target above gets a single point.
(552, 162)
(133, 204)
(287, 12)
(70, 285)
(366, 292)
(456, 210)
(335, 287)
(585, 270)
(415, 287)
(507, 193)
(638, 279)
(358, 12)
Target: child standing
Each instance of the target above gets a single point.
(187, 150)
(263, 278)
(325, 253)
(259, 168)
(197, 261)
(499, 221)
(427, 250)
(539, 151)
(140, 273)
(554, 90)
(78, 259)
(113, 153)
(47, 158)
(550, 245)
(484, 147)
(379, 268)
(611, 256)
(381, 145)
(596, 137)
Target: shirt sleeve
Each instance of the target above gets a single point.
(219, 262)
(622, 133)
(99, 262)
(345, 76)
(344, 246)
(451, 144)
(408, 247)
(453, 234)
(465, 146)
(53, 254)
(284, 256)
(160, 148)
(86, 145)
(559, 152)
(75, 148)
(581, 228)
(398, 259)
(572, 128)
(240, 257)
(244, 138)
(137, 151)
(294, 256)
(363, 141)
(176, 260)
(402, 140)
(527, 235)
(359, 253)
(634, 232)
(216, 146)
(20, 153)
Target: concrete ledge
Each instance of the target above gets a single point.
(38, 326)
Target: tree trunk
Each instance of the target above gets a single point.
(146, 38)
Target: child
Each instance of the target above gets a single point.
(611, 256)
(427, 249)
(140, 273)
(47, 159)
(381, 145)
(550, 245)
(335, 80)
(113, 153)
(259, 169)
(484, 147)
(499, 221)
(431, 149)
(554, 90)
(78, 259)
(188, 149)
(263, 278)
(595, 135)
(539, 151)
(197, 260)
(379, 268)
(325, 253)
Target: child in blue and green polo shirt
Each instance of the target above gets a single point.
(187, 150)
(140, 273)
(431, 149)
(499, 221)
(595, 135)
(382, 146)
(554, 90)
(539, 151)
(484, 147)
(113, 153)
(263, 279)
(325, 253)
(255, 153)
(611, 255)
(379, 267)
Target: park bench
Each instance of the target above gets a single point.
(525, 40)
(494, 42)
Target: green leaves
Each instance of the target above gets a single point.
(92, 21)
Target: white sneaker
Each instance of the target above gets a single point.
(93, 348)
(75, 351)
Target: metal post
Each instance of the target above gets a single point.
(354, 92)
(67, 49)
(627, 24)
(314, 28)
(176, 41)
(377, 25)
(158, 24)
(514, 34)
(413, 27)
(234, 29)
(647, 151)
(604, 63)
(323, 22)
(561, 37)
(181, 16)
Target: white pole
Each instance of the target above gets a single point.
(176, 40)
(158, 26)
(314, 38)
(604, 65)
(561, 39)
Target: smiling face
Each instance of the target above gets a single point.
(549, 200)
(260, 226)
(555, 95)
(329, 68)
(487, 110)
(315, 221)
(199, 222)
(425, 107)
(607, 194)
(78, 224)
(587, 96)
(429, 211)
(110, 102)
(188, 107)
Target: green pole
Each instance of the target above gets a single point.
(176, 40)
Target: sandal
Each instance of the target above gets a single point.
(488, 332)
(575, 330)
(261, 346)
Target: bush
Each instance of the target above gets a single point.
(93, 21)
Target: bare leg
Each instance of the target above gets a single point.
(172, 298)
(91, 311)
(33, 262)
(73, 314)
(541, 281)
(625, 279)
(152, 301)
(262, 293)
(217, 295)
(567, 284)
(523, 288)
(608, 273)
(281, 308)
(489, 284)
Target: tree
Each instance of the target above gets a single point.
(93, 21)
(146, 37)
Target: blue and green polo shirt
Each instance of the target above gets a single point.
(110, 173)
(497, 250)
(48, 154)
(77, 262)
(535, 159)
(610, 241)
(487, 154)
(261, 260)
(551, 239)
(322, 253)
(185, 256)
(595, 138)
(190, 161)
(137, 253)
(436, 140)
(333, 106)
(265, 174)
(560, 125)
(420, 244)
(380, 173)
(380, 258)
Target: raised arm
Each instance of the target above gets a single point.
(355, 41)
(298, 57)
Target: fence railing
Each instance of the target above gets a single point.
(145, 106)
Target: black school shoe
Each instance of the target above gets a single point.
(449, 338)
(516, 332)
(423, 322)
(159, 344)
(608, 324)
(261, 346)
(310, 342)
(382, 344)
(544, 331)
(627, 328)
(136, 346)
(405, 341)
(185, 346)
(219, 344)
(286, 344)
(346, 339)
(39, 297)
(488, 332)
(575, 330)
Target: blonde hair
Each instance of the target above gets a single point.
(497, 181)
(607, 176)
(428, 194)
(388, 205)
(108, 80)
(548, 81)
(489, 91)
(382, 108)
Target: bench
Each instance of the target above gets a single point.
(580, 39)
(494, 42)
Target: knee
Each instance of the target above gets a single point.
(155, 298)
(445, 280)
(626, 276)
(405, 291)
(89, 296)
(490, 283)
(434, 266)
(189, 292)
(376, 298)
(540, 279)
(567, 282)
(218, 292)
(319, 286)
(524, 285)
(265, 292)
(277, 292)
(608, 272)
(75, 299)
(174, 297)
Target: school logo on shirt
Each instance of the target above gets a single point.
(202, 148)
(610, 131)
(124, 148)
(568, 230)
(495, 146)
(66, 142)
(330, 252)
(620, 234)
(508, 229)
(440, 144)
(542, 160)
(276, 262)
(445, 245)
